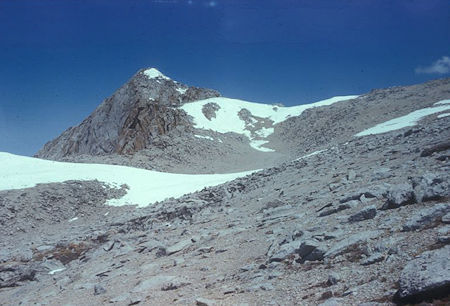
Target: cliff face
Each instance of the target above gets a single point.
(140, 111)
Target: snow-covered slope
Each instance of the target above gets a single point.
(410, 119)
(145, 186)
(230, 117)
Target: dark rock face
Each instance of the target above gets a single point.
(130, 120)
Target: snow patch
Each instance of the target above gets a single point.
(56, 271)
(182, 91)
(410, 119)
(257, 145)
(145, 186)
(442, 102)
(153, 73)
(204, 137)
(310, 154)
(443, 115)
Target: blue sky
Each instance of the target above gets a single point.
(60, 59)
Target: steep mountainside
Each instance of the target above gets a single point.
(131, 119)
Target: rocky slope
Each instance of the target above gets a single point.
(361, 221)
(365, 222)
(342, 120)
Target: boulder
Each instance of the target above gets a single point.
(348, 244)
(333, 279)
(431, 187)
(284, 252)
(426, 217)
(310, 250)
(425, 278)
(399, 195)
(368, 212)
(14, 274)
(374, 258)
(381, 173)
(177, 247)
(446, 218)
(204, 302)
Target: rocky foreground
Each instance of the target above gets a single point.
(364, 222)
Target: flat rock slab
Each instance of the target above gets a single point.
(344, 245)
(426, 277)
(178, 246)
(426, 216)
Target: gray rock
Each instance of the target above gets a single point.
(425, 217)
(374, 258)
(431, 187)
(204, 302)
(368, 212)
(330, 301)
(381, 173)
(248, 267)
(399, 195)
(351, 175)
(425, 277)
(13, 274)
(109, 246)
(349, 243)
(446, 218)
(173, 285)
(435, 148)
(333, 279)
(311, 250)
(444, 234)
(285, 251)
(178, 246)
(341, 207)
(153, 283)
(369, 192)
(99, 290)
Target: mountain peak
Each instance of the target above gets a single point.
(153, 73)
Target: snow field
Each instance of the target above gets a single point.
(145, 186)
(227, 118)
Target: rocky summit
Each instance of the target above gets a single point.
(343, 202)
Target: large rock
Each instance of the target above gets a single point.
(351, 242)
(425, 278)
(426, 217)
(14, 274)
(368, 212)
(399, 195)
(284, 252)
(311, 250)
(431, 187)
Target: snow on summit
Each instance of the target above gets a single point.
(145, 186)
(154, 73)
(230, 116)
